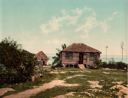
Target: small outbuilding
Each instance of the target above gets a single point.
(41, 58)
(79, 53)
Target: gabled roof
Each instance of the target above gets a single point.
(41, 55)
(80, 47)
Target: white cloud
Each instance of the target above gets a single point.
(52, 26)
(114, 14)
(89, 24)
(104, 26)
(80, 22)
(66, 18)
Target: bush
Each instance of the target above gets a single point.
(112, 65)
(16, 65)
(121, 65)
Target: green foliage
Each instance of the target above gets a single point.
(56, 59)
(28, 63)
(112, 65)
(10, 53)
(14, 62)
(105, 80)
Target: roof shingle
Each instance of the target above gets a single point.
(80, 47)
(41, 55)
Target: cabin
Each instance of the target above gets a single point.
(79, 53)
(41, 58)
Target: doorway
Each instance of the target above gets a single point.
(81, 58)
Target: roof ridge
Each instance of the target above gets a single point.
(41, 53)
(80, 47)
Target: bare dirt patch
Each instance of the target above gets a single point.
(34, 91)
(95, 84)
(57, 72)
(107, 69)
(89, 94)
(118, 82)
(106, 73)
(123, 91)
(69, 77)
(65, 95)
(5, 90)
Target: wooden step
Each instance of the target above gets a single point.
(81, 66)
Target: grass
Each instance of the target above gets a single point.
(86, 75)
(54, 92)
(28, 85)
(96, 75)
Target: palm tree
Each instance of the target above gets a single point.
(56, 58)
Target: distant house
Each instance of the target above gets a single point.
(41, 58)
(79, 53)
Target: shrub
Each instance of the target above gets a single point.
(112, 65)
(121, 65)
(16, 65)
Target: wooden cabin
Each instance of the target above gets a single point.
(79, 53)
(41, 58)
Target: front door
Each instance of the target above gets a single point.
(81, 58)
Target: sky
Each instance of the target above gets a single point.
(47, 24)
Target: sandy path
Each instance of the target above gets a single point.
(65, 95)
(73, 76)
(34, 91)
(5, 90)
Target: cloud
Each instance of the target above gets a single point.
(52, 26)
(80, 22)
(66, 18)
(104, 26)
(87, 25)
(114, 14)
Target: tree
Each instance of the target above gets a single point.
(56, 59)
(10, 53)
(28, 64)
(17, 64)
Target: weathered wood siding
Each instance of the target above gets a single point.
(88, 58)
(66, 61)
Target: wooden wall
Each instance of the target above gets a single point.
(74, 60)
(88, 58)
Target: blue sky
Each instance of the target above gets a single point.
(46, 24)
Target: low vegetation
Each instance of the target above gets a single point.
(112, 65)
(16, 64)
(105, 82)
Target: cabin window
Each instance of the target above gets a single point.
(85, 57)
(92, 58)
(69, 55)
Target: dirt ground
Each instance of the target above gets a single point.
(30, 92)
